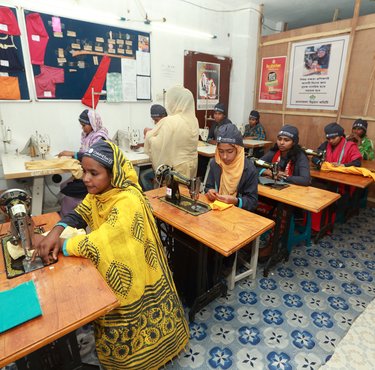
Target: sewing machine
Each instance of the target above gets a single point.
(127, 139)
(274, 167)
(319, 156)
(16, 203)
(172, 179)
(37, 145)
(203, 133)
(241, 128)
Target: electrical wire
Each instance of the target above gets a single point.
(233, 11)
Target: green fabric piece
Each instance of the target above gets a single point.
(18, 305)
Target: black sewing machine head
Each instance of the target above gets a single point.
(274, 168)
(172, 179)
(319, 156)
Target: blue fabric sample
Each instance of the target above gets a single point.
(18, 305)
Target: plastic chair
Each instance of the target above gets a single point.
(298, 233)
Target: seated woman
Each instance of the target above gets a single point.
(293, 167)
(292, 161)
(339, 152)
(149, 328)
(232, 177)
(92, 131)
(359, 136)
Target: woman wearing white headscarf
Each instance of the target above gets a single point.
(174, 140)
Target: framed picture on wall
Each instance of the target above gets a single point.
(271, 86)
(208, 85)
(315, 73)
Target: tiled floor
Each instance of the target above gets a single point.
(294, 318)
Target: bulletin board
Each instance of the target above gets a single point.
(7, 61)
(77, 47)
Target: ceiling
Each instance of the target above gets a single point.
(302, 13)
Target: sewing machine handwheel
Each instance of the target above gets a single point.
(161, 171)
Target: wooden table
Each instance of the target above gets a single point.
(342, 178)
(224, 232)
(370, 165)
(304, 197)
(206, 149)
(68, 293)
(14, 168)
(251, 143)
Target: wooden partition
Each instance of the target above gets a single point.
(358, 94)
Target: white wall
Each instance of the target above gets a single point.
(60, 119)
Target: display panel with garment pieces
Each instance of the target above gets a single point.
(13, 82)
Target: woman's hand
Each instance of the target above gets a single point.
(281, 175)
(47, 247)
(267, 173)
(212, 195)
(66, 153)
(229, 199)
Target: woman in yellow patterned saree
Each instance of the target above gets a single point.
(149, 328)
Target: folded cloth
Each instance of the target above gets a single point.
(69, 164)
(69, 232)
(18, 305)
(326, 166)
(220, 206)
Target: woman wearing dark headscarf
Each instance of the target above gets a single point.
(92, 131)
(149, 328)
(293, 163)
(232, 177)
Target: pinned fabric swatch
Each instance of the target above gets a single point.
(37, 37)
(114, 87)
(220, 206)
(18, 305)
(9, 88)
(8, 22)
(45, 82)
(97, 83)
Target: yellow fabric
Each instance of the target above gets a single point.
(326, 166)
(174, 140)
(149, 327)
(220, 206)
(68, 164)
(231, 174)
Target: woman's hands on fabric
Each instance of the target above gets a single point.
(66, 153)
(229, 199)
(267, 173)
(281, 175)
(211, 195)
(47, 247)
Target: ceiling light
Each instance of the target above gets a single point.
(182, 31)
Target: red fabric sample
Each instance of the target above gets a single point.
(45, 82)
(37, 37)
(97, 83)
(8, 22)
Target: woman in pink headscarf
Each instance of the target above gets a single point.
(92, 131)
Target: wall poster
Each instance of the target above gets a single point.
(208, 85)
(271, 87)
(316, 72)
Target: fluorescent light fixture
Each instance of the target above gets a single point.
(181, 31)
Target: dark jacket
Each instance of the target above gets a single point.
(247, 189)
(301, 171)
(213, 129)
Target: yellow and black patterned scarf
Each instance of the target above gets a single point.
(149, 327)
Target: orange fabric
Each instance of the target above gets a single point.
(326, 166)
(9, 88)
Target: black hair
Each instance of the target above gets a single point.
(291, 155)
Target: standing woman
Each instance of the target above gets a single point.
(149, 328)
(174, 139)
(92, 131)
